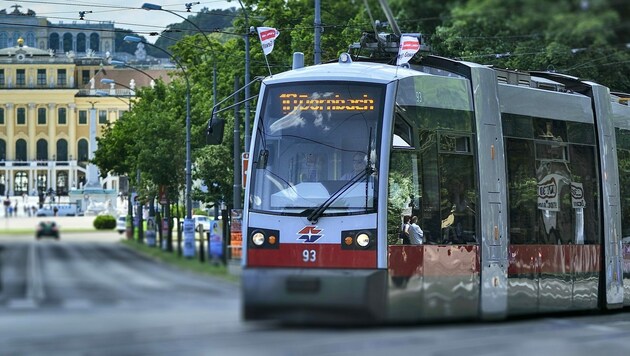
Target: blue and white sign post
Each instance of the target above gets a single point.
(189, 238)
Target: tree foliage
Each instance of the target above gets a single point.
(581, 38)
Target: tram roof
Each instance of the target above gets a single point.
(355, 71)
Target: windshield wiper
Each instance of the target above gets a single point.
(315, 214)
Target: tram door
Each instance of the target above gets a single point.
(433, 178)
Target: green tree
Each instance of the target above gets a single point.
(536, 35)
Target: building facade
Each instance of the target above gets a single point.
(78, 37)
(50, 92)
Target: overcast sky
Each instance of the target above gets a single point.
(125, 14)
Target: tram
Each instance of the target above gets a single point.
(520, 182)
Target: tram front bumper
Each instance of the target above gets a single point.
(314, 295)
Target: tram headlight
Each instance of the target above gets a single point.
(258, 238)
(261, 238)
(363, 239)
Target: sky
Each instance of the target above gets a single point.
(125, 14)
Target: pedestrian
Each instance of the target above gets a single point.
(416, 234)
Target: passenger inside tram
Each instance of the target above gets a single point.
(359, 161)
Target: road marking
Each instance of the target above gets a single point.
(35, 281)
(22, 304)
(77, 304)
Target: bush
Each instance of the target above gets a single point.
(105, 222)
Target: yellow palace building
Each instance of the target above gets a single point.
(53, 104)
(44, 128)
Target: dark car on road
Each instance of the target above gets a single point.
(47, 229)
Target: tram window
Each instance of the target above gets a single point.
(442, 119)
(623, 158)
(552, 130)
(581, 133)
(405, 189)
(522, 190)
(454, 143)
(623, 139)
(556, 152)
(458, 195)
(585, 195)
(517, 126)
(402, 133)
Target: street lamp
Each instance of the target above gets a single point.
(237, 149)
(149, 6)
(188, 152)
(129, 222)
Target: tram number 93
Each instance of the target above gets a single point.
(309, 255)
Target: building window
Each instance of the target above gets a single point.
(67, 42)
(1, 77)
(53, 42)
(41, 77)
(82, 117)
(102, 116)
(41, 116)
(3, 149)
(20, 150)
(21, 116)
(20, 183)
(42, 150)
(20, 77)
(94, 42)
(1, 116)
(81, 43)
(82, 150)
(30, 39)
(85, 76)
(61, 77)
(16, 36)
(62, 150)
(61, 116)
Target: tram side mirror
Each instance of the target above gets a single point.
(214, 133)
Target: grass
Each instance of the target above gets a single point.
(189, 264)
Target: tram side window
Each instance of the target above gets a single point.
(458, 193)
(404, 180)
(552, 182)
(584, 194)
(404, 191)
(521, 190)
(623, 157)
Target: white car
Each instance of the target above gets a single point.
(202, 220)
(57, 210)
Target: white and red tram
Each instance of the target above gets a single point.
(516, 180)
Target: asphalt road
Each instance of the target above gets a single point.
(89, 295)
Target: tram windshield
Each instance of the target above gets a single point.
(315, 148)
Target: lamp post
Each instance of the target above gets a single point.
(188, 151)
(129, 221)
(247, 32)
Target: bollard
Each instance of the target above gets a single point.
(202, 257)
(180, 231)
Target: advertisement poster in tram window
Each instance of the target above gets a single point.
(236, 235)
